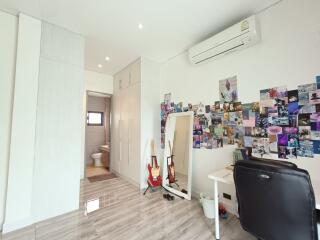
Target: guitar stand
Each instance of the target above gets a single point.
(152, 188)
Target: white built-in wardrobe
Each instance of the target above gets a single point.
(135, 119)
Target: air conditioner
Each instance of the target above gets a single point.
(239, 36)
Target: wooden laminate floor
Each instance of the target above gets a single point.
(95, 171)
(125, 214)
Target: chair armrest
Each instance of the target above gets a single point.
(318, 221)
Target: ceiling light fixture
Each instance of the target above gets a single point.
(107, 59)
(140, 26)
(100, 66)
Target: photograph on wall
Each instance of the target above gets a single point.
(303, 92)
(249, 118)
(260, 132)
(178, 107)
(274, 130)
(282, 152)
(248, 131)
(237, 106)
(318, 82)
(247, 141)
(280, 121)
(293, 121)
(305, 149)
(265, 99)
(282, 111)
(304, 132)
(229, 135)
(291, 152)
(273, 143)
(167, 98)
(217, 106)
(255, 107)
(218, 132)
(246, 106)
(261, 122)
(282, 139)
(290, 130)
(304, 119)
(226, 107)
(228, 90)
(260, 146)
(308, 108)
(293, 96)
(293, 140)
(314, 97)
(208, 108)
(314, 122)
(216, 118)
(293, 108)
(316, 147)
(201, 109)
(315, 135)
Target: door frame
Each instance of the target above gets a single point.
(84, 162)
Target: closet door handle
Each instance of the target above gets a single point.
(129, 142)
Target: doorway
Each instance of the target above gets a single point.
(97, 136)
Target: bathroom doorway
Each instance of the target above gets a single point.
(97, 136)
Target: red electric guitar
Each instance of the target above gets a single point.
(170, 165)
(154, 179)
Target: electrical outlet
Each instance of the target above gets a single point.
(227, 196)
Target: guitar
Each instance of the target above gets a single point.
(154, 178)
(170, 165)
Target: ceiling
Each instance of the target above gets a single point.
(110, 27)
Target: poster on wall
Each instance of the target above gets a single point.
(167, 98)
(228, 90)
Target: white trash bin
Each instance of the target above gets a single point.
(208, 205)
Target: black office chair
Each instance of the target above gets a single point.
(276, 200)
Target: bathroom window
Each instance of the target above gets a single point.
(95, 118)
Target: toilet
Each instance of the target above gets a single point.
(97, 159)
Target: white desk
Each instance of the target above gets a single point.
(226, 176)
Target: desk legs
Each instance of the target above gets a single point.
(216, 208)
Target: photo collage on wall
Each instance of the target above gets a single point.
(283, 122)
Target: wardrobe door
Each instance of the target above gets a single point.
(134, 132)
(123, 132)
(115, 134)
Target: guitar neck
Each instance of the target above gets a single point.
(153, 148)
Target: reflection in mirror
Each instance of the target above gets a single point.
(178, 154)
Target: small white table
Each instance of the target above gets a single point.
(223, 176)
(226, 176)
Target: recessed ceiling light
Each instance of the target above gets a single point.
(140, 26)
(107, 59)
(100, 66)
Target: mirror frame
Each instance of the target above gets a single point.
(169, 134)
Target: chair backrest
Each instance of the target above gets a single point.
(276, 200)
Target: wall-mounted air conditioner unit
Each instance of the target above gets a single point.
(239, 36)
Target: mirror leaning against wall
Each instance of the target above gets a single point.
(177, 168)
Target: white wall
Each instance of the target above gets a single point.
(98, 82)
(8, 35)
(288, 55)
(150, 114)
(20, 176)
